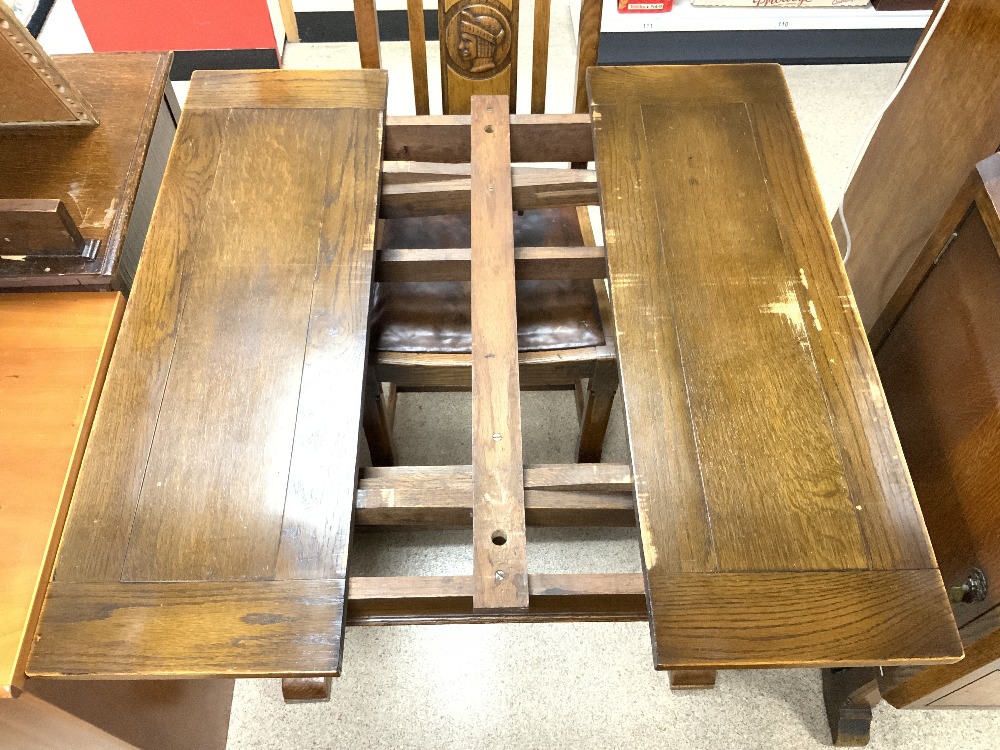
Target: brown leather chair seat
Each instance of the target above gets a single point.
(435, 316)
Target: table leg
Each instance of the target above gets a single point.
(692, 679)
(850, 694)
(377, 424)
(306, 689)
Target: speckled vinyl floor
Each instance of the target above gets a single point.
(565, 685)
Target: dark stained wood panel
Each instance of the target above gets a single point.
(940, 364)
(944, 120)
(225, 447)
(763, 456)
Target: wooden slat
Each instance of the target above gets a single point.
(202, 628)
(445, 138)
(590, 477)
(761, 442)
(316, 530)
(393, 507)
(588, 38)
(532, 189)
(499, 561)
(418, 55)
(569, 495)
(54, 354)
(454, 371)
(540, 55)
(529, 263)
(366, 23)
(218, 455)
(430, 599)
(288, 20)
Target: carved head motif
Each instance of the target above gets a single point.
(478, 40)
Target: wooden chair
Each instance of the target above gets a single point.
(421, 337)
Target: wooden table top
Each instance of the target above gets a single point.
(95, 171)
(778, 521)
(54, 352)
(209, 531)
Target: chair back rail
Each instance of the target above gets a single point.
(478, 42)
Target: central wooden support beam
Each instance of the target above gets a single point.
(500, 566)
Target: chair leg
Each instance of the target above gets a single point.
(601, 389)
(378, 425)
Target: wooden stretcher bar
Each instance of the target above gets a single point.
(420, 264)
(446, 138)
(531, 189)
(426, 600)
(439, 496)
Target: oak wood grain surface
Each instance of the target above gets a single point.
(220, 480)
(54, 353)
(94, 171)
(778, 522)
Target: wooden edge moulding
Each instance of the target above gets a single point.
(441, 165)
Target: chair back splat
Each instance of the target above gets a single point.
(478, 41)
